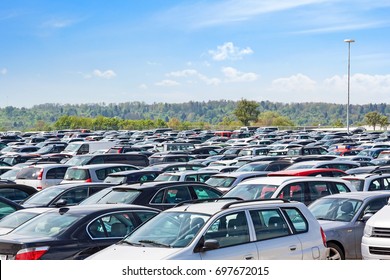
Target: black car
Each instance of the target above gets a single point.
(73, 232)
(178, 166)
(16, 192)
(160, 195)
(131, 176)
(61, 195)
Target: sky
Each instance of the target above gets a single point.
(94, 51)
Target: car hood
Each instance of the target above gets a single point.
(380, 218)
(128, 252)
(332, 225)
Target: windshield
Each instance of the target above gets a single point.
(335, 209)
(167, 177)
(357, 183)
(76, 174)
(47, 224)
(252, 191)
(113, 196)
(168, 229)
(223, 182)
(78, 160)
(43, 197)
(10, 175)
(253, 167)
(45, 149)
(72, 147)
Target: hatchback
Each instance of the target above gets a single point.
(41, 176)
(72, 232)
(225, 230)
(369, 181)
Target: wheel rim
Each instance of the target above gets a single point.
(334, 254)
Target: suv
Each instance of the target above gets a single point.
(225, 230)
(137, 159)
(369, 181)
(303, 189)
(376, 242)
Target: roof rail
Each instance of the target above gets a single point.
(226, 206)
(196, 201)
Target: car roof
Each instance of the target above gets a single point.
(276, 180)
(218, 206)
(236, 174)
(99, 165)
(158, 184)
(305, 171)
(358, 195)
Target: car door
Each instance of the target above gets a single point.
(275, 239)
(232, 233)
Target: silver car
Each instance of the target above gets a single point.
(225, 230)
(343, 217)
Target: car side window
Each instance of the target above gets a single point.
(319, 189)
(204, 193)
(176, 195)
(269, 224)
(297, 220)
(375, 185)
(341, 188)
(229, 230)
(294, 192)
(375, 205)
(386, 183)
(158, 198)
(113, 225)
(13, 194)
(75, 196)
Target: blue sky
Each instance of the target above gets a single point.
(177, 51)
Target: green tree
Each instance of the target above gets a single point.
(270, 118)
(246, 111)
(384, 122)
(373, 118)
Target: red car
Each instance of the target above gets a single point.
(323, 172)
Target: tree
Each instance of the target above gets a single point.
(246, 111)
(373, 119)
(384, 122)
(270, 118)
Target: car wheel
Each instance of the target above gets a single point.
(336, 253)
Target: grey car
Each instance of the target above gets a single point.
(343, 217)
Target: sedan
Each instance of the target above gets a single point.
(72, 232)
(343, 217)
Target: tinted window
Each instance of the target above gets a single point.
(28, 173)
(297, 220)
(293, 191)
(269, 224)
(204, 193)
(13, 194)
(341, 187)
(75, 196)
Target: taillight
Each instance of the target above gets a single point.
(39, 188)
(323, 237)
(40, 174)
(31, 253)
(89, 180)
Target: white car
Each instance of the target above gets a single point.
(376, 238)
(41, 176)
(225, 230)
(369, 181)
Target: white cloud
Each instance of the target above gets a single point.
(294, 83)
(194, 73)
(108, 74)
(60, 23)
(143, 86)
(229, 52)
(233, 75)
(167, 83)
(4, 71)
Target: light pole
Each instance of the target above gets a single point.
(349, 41)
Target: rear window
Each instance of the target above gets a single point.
(28, 173)
(76, 174)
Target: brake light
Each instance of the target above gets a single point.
(323, 237)
(40, 174)
(89, 180)
(31, 253)
(120, 150)
(39, 188)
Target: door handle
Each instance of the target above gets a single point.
(249, 257)
(293, 248)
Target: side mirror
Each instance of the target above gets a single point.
(61, 203)
(366, 217)
(209, 244)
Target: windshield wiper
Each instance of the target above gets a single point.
(154, 243)
(131, 243)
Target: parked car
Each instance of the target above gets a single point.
(226, 181)
(72, 232)
(375, 241)
(93, 172)
(343, 217)
(178, 166)
(369, 181)
(275, 165)
(166, 157)
(65, 194)
(224, 230)
(136, 159)
(160, 195)
(41, 176)
(303, 189)
(131, 176)
(338, 164)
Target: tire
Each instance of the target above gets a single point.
(336, 253)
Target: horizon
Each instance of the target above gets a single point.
(287, 51)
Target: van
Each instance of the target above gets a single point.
(80, 148)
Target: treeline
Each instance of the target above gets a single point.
(203, 113)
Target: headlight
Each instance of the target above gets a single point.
(367, 231)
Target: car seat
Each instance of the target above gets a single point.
(347, 211)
